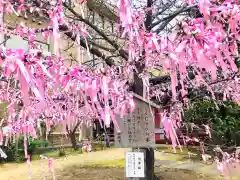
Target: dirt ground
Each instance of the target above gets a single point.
(102, 165)
(78, 172)
(88, 173)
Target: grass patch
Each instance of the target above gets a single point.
(120, 163)
(170, 157)
(57, 153)
(168, 154)
(185, 150)
(51, 154)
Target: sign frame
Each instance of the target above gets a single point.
(137, 128)
(132, 173)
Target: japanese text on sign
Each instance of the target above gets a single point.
(137, 128)
(135, 164)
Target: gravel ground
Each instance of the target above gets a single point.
(88, 173)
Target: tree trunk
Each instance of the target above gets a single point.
(73, 140)
(149, 164)
(72, 135)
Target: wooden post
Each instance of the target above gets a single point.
(149, 161)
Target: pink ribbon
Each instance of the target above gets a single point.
(29, 167)
(51, 167)
(1, 137)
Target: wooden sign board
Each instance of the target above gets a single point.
(137, 128)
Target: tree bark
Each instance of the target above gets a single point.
(73, 140)
(72, 136)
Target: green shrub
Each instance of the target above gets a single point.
(39, 143)
(13, 154)
(61, 152)
(35, 157)
(223, 117)
(34, 143)
(98, 147)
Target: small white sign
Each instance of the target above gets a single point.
(135, 164)
(2, 154)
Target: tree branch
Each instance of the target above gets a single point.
(76, 126)
(68, 130)
(168, 5)
(170, 18)
(122, 53)
(93, 50)
(149, 18)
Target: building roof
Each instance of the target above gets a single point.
(102, 9)
(146, 101)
